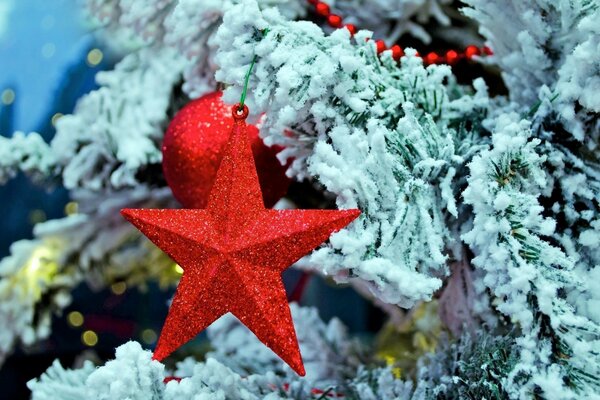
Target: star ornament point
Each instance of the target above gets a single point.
(233, 253)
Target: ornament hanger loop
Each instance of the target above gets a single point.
(239, 111)
(247, 78)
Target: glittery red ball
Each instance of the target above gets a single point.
(193, 148)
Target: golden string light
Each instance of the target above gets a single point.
(89, 338)
(94, 57)
(7, 97)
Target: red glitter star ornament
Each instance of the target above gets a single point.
(233, 253)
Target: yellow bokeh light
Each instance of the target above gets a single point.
(35, 262)
(178, 269)
(391, 361)
(36, 274)
(56, 117)
(71, 208)
(37, 216)
(94, 57)
(8, 96)
(118, 288)
(149, 336)
(48, 50)
(75, 318)
(89, 338)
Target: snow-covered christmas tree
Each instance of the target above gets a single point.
(467, 134)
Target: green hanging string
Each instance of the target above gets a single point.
(247, 79)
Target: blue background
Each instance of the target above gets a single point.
(38, 41)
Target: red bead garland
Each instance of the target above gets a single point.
(451, 57)
(334, 20)
(397, 52)
(471, 51)
(322, 9)
(431, 58)
(351, 28)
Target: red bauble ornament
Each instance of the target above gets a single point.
(193, 148)
(233, 253)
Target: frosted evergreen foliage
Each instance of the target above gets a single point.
(189, 25)
(185, 25)
(94, 245)
(327, 350)
(60, 383)
(27, 153)
(329, 103)
(573, 171)
(547, 44)
(490, 205)
(528, 275)
(390, 19)
(579, 82)
(134, 375)
(27, 275)
(472, 367)
(96, 146)
(98, 155)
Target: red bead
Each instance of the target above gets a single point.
(322, 9)
(380, 46)
(397, 52)
(431, 58)
(351, 28)
(471, 51)
(451, 57)
(487, 51)
(313, 2)
(417, 54)
(335, 21)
